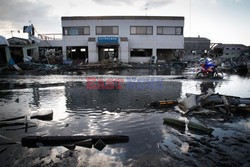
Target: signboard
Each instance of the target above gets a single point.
(113, 40)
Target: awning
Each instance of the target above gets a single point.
(107, 44)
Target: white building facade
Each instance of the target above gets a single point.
(126, 38)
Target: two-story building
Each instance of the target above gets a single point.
(126, 38)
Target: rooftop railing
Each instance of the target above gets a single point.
(55, 36)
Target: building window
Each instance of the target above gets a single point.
(76, 30)
(107, 30)
(141, 52)
(165, 30)
(178, 31)
(141, 30)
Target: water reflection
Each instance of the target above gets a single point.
(36, 97)
(79, 97)
(205, 86)
(80, 111)
(151, 70)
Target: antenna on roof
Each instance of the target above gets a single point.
(190, 11)
(146, 8)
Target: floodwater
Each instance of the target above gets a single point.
(79, 110)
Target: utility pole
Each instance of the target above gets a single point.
(11, 31)
(190, 19)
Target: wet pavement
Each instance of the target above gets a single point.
(79, 110)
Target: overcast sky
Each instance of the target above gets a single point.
(226, 21)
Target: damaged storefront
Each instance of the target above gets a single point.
(78, 54)
(22, 50)
(50, 55)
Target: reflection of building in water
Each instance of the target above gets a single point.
(36, 97)
(49, 98)
(204, 86)
(136, 92)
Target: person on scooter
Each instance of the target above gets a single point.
(207, 65)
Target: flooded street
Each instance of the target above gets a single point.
(79, 110)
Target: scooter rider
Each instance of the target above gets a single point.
(207, 65)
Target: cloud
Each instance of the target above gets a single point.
(19, 10)
(214, 2)
(114, 2)
(160, 3)
(151, 3)
(17, 13)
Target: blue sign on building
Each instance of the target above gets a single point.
(108, 40)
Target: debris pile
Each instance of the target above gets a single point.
(213, 103)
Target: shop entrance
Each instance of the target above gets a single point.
(107, 53)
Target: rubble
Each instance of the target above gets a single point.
(188, 103)
(192, 124)
(209, 103)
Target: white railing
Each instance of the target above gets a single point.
(55, 36)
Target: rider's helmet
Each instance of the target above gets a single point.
(208, 60)
(202, 61)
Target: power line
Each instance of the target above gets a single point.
(190, 19)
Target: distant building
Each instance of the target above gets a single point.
(126, 38)
(230, 50)
(196, 45)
